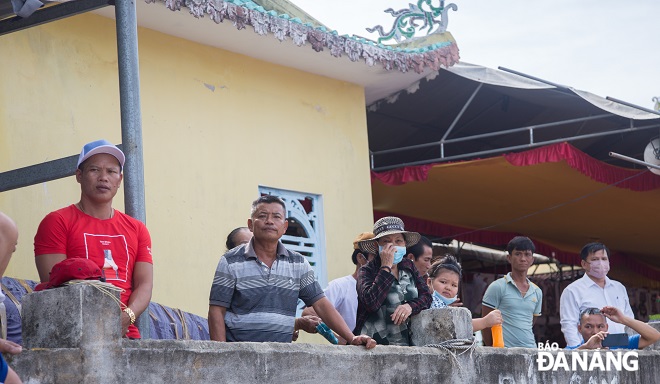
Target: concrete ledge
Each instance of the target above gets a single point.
(105, 358)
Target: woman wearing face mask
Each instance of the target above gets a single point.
(444, 276)
(390, 289)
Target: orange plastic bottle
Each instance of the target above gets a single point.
(498, 338)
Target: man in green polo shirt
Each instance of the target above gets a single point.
(515, 296)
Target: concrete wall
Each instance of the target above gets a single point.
(216, 125)
(83, 321)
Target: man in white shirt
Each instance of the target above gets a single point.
(342, 292)
(593, 290)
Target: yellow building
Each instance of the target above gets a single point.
(227, 114)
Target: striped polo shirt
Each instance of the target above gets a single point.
(261, 301)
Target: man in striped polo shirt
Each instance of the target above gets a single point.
(257, 285)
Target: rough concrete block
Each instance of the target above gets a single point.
(436, 325)
(75, 316)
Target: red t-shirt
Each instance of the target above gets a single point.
(115, 244)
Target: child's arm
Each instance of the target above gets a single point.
(492, 318)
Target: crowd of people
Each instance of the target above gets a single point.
(258, 282)
(394, 279)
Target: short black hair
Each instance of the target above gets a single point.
(231, 242)
(354, 255)
(448, 262)
(520, 243)
(418, 249)
(267, 199)
(593, 248)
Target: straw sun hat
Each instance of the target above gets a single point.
(389, 225)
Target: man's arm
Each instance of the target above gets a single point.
(627, 310)
(309, 311)
(333, 319)
(12, 377)
(486, 335)
(569, 313)
(489, 303)
(143, 281)
(45, 264)
(539, 305)
(647, 334)
(217, 323)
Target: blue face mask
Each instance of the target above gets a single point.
(444, 299)
(399, 252)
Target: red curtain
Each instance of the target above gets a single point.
(641, 180)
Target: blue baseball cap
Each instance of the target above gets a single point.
(101, 146)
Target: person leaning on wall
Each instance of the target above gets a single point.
(256, 286)
(390, 289)
(91, 228)
(8, 241)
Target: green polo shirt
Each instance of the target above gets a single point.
(517, 311)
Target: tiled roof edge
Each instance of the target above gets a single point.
(283, 27)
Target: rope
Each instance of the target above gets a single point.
(105, 288)
(453, 345)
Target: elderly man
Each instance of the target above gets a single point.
(8, 240)
(593, 290)
(93, 229)
(256, 285)
(517, 298)
(593, 328)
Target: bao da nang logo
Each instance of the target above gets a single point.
(550, 358)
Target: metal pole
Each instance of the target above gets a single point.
(131, 120)
(512, 148)
(460, 114)
(633, 160)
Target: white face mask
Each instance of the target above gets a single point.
(399, 252)
(599, 268)
(445, 300)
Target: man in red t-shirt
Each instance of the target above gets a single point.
(91, 228)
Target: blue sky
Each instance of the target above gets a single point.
(607, 47)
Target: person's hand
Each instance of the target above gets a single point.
(307, 323)
(401, 314)
(125, 322)
(7, 346)
(365, 340)
(613, 314)
(457, 303)
(387, 255)
(595, 341)
(493, 318)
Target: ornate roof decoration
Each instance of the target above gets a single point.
(441, 52)
(405, 23)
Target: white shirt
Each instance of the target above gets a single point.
(585, 293)
(342, 293)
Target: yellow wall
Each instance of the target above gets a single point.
(206, 151)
